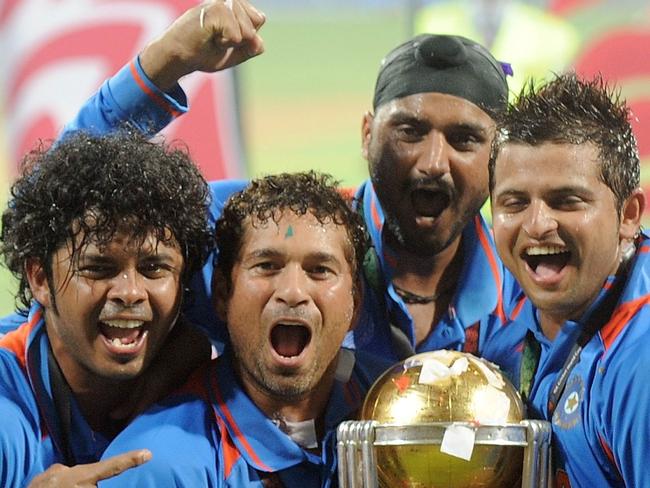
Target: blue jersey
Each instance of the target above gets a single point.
(479, 308)
(31, 436)
(211, 434)
(601, 424)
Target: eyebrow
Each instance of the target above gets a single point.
(323, 257)
(563, 190)
(404, 117)
(320, 256)
(98, 257)
(265, 252)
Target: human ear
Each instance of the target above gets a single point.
(366, 125)
(357, 294)
(220, 294)
(631, 213)
(39, 284)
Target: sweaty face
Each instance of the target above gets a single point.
(427, 156)
(291, 304)
(109, 311)
(556, 224)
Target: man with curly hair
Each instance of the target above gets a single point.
(103, 234)
(564, 180)
(288, 286)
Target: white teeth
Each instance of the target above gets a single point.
(117, 342)
(124, 324)
(545, 250)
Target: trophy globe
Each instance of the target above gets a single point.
(443, 419)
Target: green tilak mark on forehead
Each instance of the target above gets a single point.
(289, 232)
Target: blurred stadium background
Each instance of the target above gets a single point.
(298, 106)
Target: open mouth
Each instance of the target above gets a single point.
(429, 203)
(123, 335)
(547, 261)
(290, 340)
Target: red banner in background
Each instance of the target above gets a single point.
(56, 53)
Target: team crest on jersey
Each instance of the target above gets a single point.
(567, 412)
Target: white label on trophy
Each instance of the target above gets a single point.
(458, 441)
(459, 367)
(433, 371)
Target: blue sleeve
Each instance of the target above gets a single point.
(179, 435)
(129, 97)
(19, 441)
(627, 424)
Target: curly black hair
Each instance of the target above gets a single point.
(87, 188)
(569, 109)
(301, 193)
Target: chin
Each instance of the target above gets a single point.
(124, 372)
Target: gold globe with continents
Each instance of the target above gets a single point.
(443, 419)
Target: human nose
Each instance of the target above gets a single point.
(291, 286)
(434, 159)
(539, 220)
(128, 288)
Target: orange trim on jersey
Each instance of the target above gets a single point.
(493, 266)
(375, 213)
(620, 318)
(643, 249)
(348, 193)
(238, 433)
(229, 450)
(517, 310)
(608, 452)
(161, 102)
(16, 340)
(194, 384)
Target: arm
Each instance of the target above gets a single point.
(145, 93)
(628, 433)
(19, 443)
(178, 432)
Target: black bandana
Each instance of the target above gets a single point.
(452, 65)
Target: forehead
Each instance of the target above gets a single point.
(123, 241)
(436, 106)
(295, 234)
(546, 165)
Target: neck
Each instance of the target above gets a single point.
(424, 275)
(310, 405)
(97, 402)
(427, 285)
(551, 324)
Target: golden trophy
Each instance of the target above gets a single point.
(443, 419)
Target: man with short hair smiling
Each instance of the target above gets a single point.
(567, 205)
(287, 284)
(103, 234)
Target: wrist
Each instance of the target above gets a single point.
(162, 67)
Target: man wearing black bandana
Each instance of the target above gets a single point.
(433, 279)
(427, 143)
